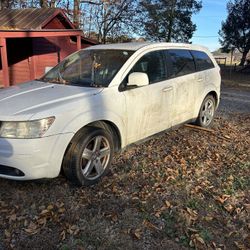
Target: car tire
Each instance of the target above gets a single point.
(207, 111)
(88, 156)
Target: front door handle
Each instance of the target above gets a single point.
(200, 80)
(167, 89)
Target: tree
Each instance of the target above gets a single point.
(44, 3)
(107, 19)
(76, 13)
(7, 4)
(168, 20)
(235, 31)
(113, 17)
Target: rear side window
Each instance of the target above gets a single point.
(202, 60)
(153, 64)
(180, 62)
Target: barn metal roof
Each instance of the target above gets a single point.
(27, 18)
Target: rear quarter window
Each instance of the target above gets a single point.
(180, 62)
(202, 60)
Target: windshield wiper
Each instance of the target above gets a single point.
(96, 85)
(60, 78)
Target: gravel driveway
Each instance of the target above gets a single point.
(234, 100)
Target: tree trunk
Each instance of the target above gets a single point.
(44, 3)
(53, 4)
(171, 21)
(76, 14)
(4, 4)
(243, 58)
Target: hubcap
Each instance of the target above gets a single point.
(95, 157)
(207, 112)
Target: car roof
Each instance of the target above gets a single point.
(138, 45)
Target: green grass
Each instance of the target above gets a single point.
(239, 183)
(170, 225)
(206, 235)
(194, 203)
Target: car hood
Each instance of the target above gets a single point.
(20, 101)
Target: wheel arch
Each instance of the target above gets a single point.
(208, 91)
(110, 127)
(104, 124)
(215, 96)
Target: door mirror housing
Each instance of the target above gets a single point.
(138, 79)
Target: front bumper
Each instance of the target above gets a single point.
(33, 158)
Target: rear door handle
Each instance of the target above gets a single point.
(167, 89)
(200, 80)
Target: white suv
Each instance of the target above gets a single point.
(99, 100)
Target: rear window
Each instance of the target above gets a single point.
(202, 60)
(181, 62)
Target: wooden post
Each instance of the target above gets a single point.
(231, 62)
(4, 59)
(33, 68)
(79, 43)
(33, 62)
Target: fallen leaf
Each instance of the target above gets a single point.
(63, 235)
(7, 233)
(167, 204)
(61, 210)
(208, 218)
(114, 217)
(222, 199)
(247, 207)
(32, 228)
(13, 217)
(137, 234)
(197, 241)
(240, 246)
(50, 207)
(229, 208)
(150, 225)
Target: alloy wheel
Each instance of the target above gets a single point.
(95, 157)
(207, 112)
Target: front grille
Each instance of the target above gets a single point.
(5, 170)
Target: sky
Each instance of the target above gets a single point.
(208, 22)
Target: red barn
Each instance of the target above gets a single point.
(32, 39)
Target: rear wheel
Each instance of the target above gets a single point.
(207, 111)
(89, 156)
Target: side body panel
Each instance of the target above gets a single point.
(148, 110)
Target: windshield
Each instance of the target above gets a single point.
(88, 68)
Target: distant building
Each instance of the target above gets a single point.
(223, 58)
(33, 39)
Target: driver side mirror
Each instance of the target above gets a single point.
(137, 79)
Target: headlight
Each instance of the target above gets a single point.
(25, 129)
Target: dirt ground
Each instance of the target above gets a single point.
(184, 189)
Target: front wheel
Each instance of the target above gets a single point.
(89, 156)
(207, 111)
